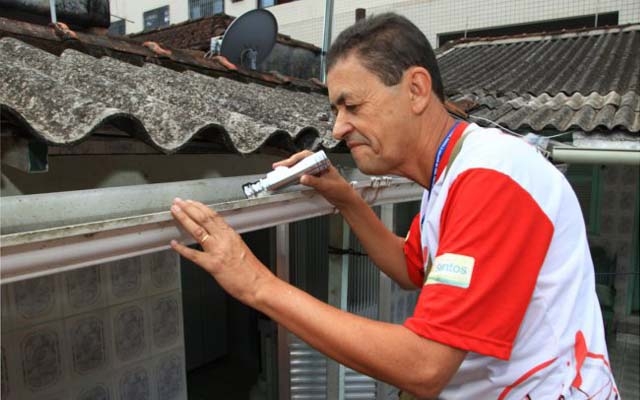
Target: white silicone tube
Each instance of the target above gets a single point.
(284, 176)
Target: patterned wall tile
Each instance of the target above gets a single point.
(607, 223)
(35, 300)
(41, 352)
(625, 225)
(164, 271)
(5, 388)
(9, 372)
(629, 175)
(100, 388)
(6, 309)
(84, 290)
(58, 395)
(131, 337)
(104, 332)
(166, 321)
(620, 184)
(170, 376)
(125, 280)
(89, 339)
(135, 382)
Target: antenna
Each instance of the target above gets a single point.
(250, 38)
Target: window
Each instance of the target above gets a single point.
(269, 3)
(585, 180)
(117, 28)
(156, 18)
(204, 8)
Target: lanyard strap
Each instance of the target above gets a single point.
(454, 154)
(441, 149)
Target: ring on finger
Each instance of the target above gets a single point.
(204, 238)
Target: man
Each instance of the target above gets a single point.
(507, 306)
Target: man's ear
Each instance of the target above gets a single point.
(419, 80)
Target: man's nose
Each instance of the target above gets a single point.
(341, 127)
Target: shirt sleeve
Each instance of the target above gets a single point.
(413, 253)
(493, 241)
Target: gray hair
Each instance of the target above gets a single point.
(387, 45)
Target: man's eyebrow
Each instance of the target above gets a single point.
(339, 101)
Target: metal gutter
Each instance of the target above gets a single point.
(577, 155)
(116, 223)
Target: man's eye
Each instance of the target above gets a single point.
(351, 107)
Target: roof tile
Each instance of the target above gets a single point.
(74, 95)
(585, 80)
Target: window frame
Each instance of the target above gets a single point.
(162, 12)
(259, 3)
(201, 3)
(118, 28)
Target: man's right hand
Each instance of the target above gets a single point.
(384, 247)
(330, 184)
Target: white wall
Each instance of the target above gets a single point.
(132, 11)
(303, 19)
(239, 8)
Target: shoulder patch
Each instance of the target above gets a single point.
(452, 269)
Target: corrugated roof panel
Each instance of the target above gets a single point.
(586, 80)
(51, 116)
(594, 112)
(605, 62)
(164, 107)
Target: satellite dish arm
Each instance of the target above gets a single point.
(248, 58)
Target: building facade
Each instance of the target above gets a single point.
(439, 19)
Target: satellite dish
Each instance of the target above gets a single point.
(250, 38)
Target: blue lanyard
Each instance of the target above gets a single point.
(439, 154)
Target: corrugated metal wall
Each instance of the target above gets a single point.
(363, 290)
(308, 371)
(309, 270)
(309, 262)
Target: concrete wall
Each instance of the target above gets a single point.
(111, 331)
(100, 171)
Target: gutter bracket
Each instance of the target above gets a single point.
(376, 183)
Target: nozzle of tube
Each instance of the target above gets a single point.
(281, 177)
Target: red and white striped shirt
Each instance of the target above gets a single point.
(512, 281)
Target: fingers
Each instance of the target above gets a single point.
(322, 182)
(210, 220)
(333, 187)
(294, 159)
(187, 252)
(192, 219)
(203, 213)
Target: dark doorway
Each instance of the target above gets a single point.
(224, 339)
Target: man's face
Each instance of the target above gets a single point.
(371, 118)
